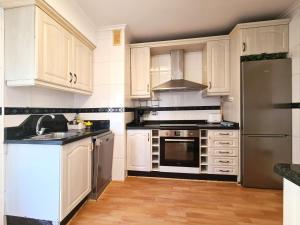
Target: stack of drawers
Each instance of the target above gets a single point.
(223, 152)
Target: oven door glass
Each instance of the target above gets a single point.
(182, 152)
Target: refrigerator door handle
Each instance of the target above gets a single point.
(268, 135)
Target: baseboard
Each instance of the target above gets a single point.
(212, 177)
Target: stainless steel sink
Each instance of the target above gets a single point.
(54, 136)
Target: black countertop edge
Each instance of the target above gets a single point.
(200, 124)
(290, 172)
(81, 135)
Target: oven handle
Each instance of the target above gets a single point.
(180, 140)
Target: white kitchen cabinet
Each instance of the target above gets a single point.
(216, 68)
(140, 72)
(265, 39)
(83, 66)
(223, 152)
(51, 179)
(76, 174)
(42, 49)
(138, 150)
(54, 51)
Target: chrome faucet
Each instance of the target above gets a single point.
(42, 130)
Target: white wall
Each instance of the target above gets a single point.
(161, 72)
(1, 120)
(294, 14)
(111, 89)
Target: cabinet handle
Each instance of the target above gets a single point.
(221, 161)
(224, 143)
(224, 152)
(224, 134)
(148, 87)
(244, 47)
(209, 85)
(71, 77)
(225, 171)
(75, 81)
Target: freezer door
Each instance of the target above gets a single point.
(266, 95)
(259, 155)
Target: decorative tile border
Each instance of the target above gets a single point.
(296, 105)
(29, 110)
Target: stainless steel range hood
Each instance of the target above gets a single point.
(177, 82)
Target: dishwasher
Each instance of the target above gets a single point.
(102, 163)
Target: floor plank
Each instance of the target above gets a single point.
(146, 201)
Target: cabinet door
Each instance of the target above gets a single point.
(54, 51)
(267, 39)
(83, 66)
(272, 39)
(76, 174)
(140, 72)
(249, 41)
(218, 79)
(138, 150)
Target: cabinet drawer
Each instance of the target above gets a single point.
(223, 152)
(223, 170)
(223, 143)
(222, 134)
(223, 161)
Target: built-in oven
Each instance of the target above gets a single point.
(179, 148)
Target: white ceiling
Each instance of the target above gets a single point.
(152, 20)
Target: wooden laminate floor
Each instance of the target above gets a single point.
(144, 201)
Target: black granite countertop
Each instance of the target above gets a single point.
(290, 172)
(78, 135)
(180, 124)
(21, 134)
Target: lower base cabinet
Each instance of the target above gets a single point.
(219, 151)
(76, 174)
(46, 182)
(223, 152)
(139, 150)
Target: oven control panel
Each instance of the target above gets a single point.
(179, 133)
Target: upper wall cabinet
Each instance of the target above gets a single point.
(40, 50)
(216, 68)
(140, 72)
(265, 39)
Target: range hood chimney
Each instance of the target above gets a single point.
(177, 82)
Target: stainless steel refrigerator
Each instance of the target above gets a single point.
(266, 117)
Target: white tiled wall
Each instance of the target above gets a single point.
(294, 14)
(180, 115)
(111, 89)
(1, 120)
(109, 74)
